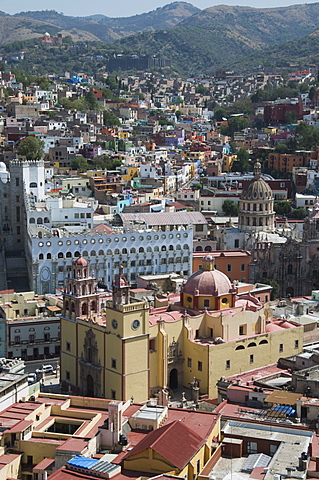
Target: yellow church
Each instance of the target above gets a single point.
(118, 348)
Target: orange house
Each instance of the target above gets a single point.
(233, 263)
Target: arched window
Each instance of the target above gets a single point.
(67, 305)
(84, 308)
(32, 220)
(163, 248)
(240, 347)
(261, 207)
(60, 255)
(148, 249)
(199, 248)
(68, 254)
(85, 253)
(77, 254)
(178, 247)
(101, 252)
(83, 289)
(260, 222)
(208, 248)
(252, 344)
(93, 306)
(93, 253)
(156, 248)
(40, 235)
(49, 256)
(116, 251)
(185, 247)
(33, 185)
(171, 247)
(124, 251)
(254, 222)
(263, 342)
(133, 250)
(289, 269)
(39, 221)
(109, 252)
(255, 207)
(41, 256)
(72, 307)
(141, 250)
(46, 220)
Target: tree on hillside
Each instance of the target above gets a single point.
(242, 162)
(110, 119)
(230, 208)
(291, 117)
(31, 148)
(219, 114)
(281, 148)
(282, 208)
(275, 287)
(307, 136)
(80, 164)
(299, 213)
(91, 101)
(236, 124)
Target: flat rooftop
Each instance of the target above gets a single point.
(293, 442)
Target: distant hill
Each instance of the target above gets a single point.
(263, 26)
(221, 36)
(196, 41)
(293, 54)
(109, 29)
(13, 29)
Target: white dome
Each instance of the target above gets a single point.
(3, 167)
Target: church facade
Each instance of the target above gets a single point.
(287, 254)
(115, 347)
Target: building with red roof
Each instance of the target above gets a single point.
(123, 347)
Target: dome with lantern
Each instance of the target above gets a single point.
(257, 189)
(256, 205)
(208, 288)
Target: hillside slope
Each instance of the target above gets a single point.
(109, 29)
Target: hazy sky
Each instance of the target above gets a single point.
(123, 8)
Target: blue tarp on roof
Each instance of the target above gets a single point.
(290, 411)
(82, 462)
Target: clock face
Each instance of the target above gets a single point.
(114, 324)
(135, 324)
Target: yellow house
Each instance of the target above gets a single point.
(173, 448)
(127, 350)
(228, 161)
(131, 173)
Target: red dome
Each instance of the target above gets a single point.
(208, 282)
(80, 262)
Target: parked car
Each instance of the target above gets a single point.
(32, 378)
(45, 369)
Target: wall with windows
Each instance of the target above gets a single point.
(33, 338)
(140, 252)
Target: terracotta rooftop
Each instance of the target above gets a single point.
(46, 463)
(248, 378)
(175, 442)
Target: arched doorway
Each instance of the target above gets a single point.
(89, 386)
(173, 379)
(289, 292)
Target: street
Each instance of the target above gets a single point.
(32, 365)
